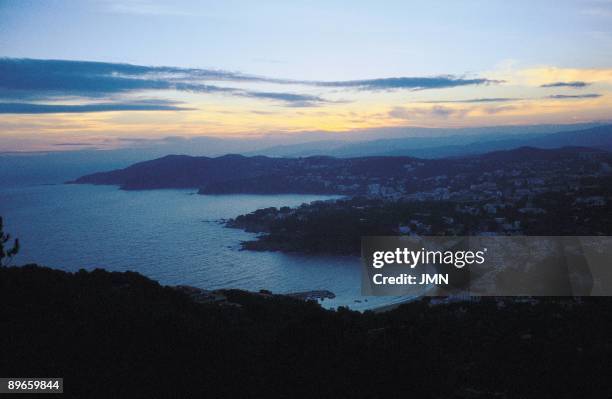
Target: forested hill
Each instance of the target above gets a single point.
(181, 171)
(318, 175)
(121, 335)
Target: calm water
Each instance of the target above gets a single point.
(171, 236)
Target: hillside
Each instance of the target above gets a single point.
(232, 174)
(122, 335)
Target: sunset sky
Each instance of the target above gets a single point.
(95, 73)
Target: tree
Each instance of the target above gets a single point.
(6, 254)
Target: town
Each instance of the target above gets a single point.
(524, 191)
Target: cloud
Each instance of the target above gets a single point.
(412, 83)
(294, 100)
(32, 108)
(576, 84)
(27, 79)
(31, 79)
(576, 96)
(400, 113)
(438, 111)
(477, 100)
(497, 110)
(442, 112)
(550, 75)
(72, 144)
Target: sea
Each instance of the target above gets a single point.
(173, 236)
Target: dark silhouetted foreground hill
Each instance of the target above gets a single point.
(121, 335)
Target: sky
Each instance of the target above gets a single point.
(99, 74)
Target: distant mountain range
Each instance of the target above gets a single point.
(19, 169)
(448, 146)
(313, 175)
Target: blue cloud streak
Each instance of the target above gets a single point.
(29, 79)
(30, 108)
(576, 84)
